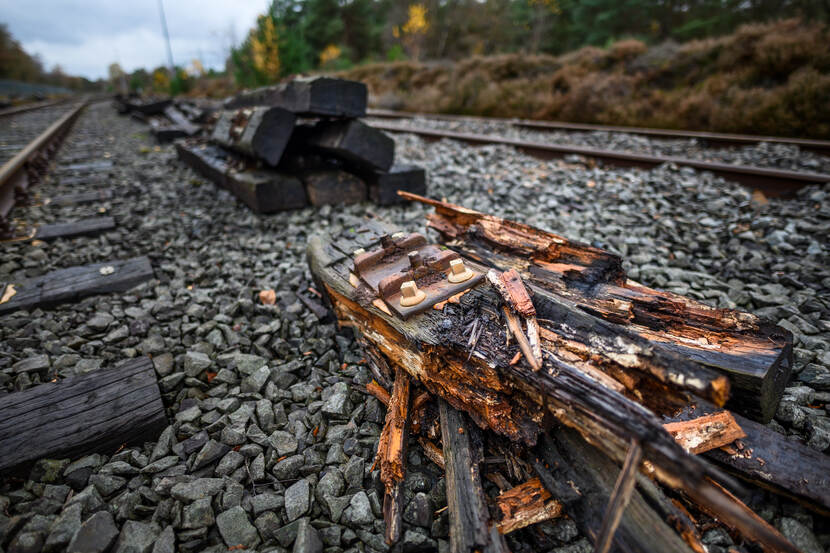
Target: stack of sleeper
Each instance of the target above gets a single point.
(300, 143)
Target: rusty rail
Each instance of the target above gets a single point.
(724, 139)
(772, 182)
(29, 165)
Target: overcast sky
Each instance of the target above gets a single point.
(85, 36)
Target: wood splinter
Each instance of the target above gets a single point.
(392, 455)
(707, 432)
(619, 497)
(510, 287)
(526, 504)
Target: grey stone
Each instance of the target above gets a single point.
(210, 453)
(96, 535)
(297, 499)
(266, 502)
(161, 464)
(353, 472)
(247, 364)
(360, 510)
(338, 405)
(308, 541)
(332, 483)
(107, 484)
(253, 384)
(419, 512)
(136, 537)
(283, 442)
(229, 463)
(195, 363)
(236, 528)
(336, 506)
(198, 489)
(198, 514)
(26, 542)
(268, 523)
(64, 527)
(35, 363)
(166, 541)
(800, 536)
(289, 468)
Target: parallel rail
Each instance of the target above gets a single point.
(772, 182)
(27, 168)
(711, 138)
(30, 107)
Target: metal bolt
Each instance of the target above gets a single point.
(459, 272)
(410, 294)
(415, 260)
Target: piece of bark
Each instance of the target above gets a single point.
(96, 412)
(333, 186)
(755, 355)
(81, 227)
(355, 142)
(259, 132)
(313, 97)
(392, 456)
(511, 399)
(379, 392)
(384, 185)
(432, 452)
(470, 526)
(707, 432)
(73, 283)
(526, 504)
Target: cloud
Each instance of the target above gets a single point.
(85, 37)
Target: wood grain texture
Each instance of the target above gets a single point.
(391, 456)
(705, 433)
(64, 285)
(95, 412)
(471, 529)
(333, 186)
(526, 504)
(384, 185)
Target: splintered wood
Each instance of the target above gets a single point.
(580, 371)
(526, 504)
(392, 455)
(707, 432)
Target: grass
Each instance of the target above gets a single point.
(771, 78)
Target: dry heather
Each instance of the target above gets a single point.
(771, 78)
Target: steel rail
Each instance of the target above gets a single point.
(30, 164)
(772, 182)
(15, 110)
(723, 139)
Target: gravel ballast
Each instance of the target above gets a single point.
(271, 439)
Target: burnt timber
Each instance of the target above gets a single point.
(261, 132)
(82, 414)
(608, 383)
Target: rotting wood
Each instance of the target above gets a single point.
(63, 285)
(333, 186)
(707, 432)
(391, 455)
(434, 348)
(755, 355)
(582, 478)
(379, 392)
(432, 452)
(96, 412)
(526, 504)
(470, 526)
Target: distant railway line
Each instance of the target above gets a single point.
(771, 181)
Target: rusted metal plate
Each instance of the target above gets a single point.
(410, 276)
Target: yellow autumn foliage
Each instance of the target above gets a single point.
(329, 54)
(265, 47)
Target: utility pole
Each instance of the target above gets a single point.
(167, 39)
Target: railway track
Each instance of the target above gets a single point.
(710, 138)
(771, 181)
(29, 143)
